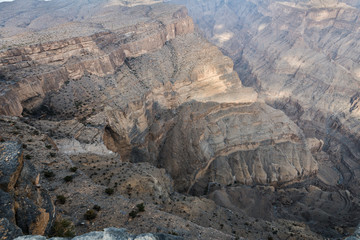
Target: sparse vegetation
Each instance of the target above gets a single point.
(73, 169)
(28, 157)
(68, 178)
(109, 191)
(141, 207)
(133, 214)
(96, 207)
(48, 146)
(52, 154)
(49, 174)
(63, 228)
(90, 214)
(61, 199)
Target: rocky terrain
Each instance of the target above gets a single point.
(301, 57)
(135, 121)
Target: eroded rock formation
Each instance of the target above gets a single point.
(135, 100)
(25, 207)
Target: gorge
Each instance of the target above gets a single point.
(224, 119)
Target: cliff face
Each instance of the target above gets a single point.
(301, 56)
(136, 72)
(30, 72)
(119, 86)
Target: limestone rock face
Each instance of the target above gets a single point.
(228, 144)
(139, 102)
(128, 85)
(100, 51)
(302, 56)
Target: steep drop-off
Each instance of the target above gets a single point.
(113, 88)
(302, 58)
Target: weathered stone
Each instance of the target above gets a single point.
(35, 211)
(110, 234)
(11, 163)
(8, 230)
(7, 206)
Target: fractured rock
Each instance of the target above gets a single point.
(11, 163)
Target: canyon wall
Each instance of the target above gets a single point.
(115, 88)
(302, 57)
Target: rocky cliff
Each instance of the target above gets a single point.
(134, 103)
(301, 56)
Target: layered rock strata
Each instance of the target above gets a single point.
(302, 58)
(135, 85)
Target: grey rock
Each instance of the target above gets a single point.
(8, 230)
(7, 206)
(30, 237)
(110, 234)
(37, 211)
(11, 163)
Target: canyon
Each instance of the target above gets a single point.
(120, 104)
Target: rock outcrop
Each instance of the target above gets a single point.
(302, 58)
(125, 106)
(24, 206)
(111, 234)
(45, 67)
(227, 144)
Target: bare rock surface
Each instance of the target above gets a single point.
(11, 163)
(25, 207)
(301, 56)
(127, 110)
(110, 234)
(229, 144)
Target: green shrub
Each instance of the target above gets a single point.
(48, 146)
(109, 191)
(68, 178)
(133, 214)
(73, 169)
(49, 174)
(141, 207)
(52, 154)
(61, 199)
(62, 228)
(96, 207)
(90, 214)
(28, 157)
